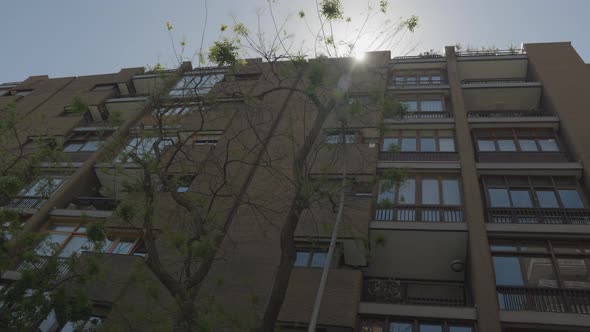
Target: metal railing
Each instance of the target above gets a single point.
(422, 56)
(420, 213)
(409, 115)
(32, 202)
(95, 203)
(40, 261)
(497, 80)
(508, 114)
(417, 82)
(538, 216)
(418, 156)
(561, 300)
(492, 52)
(387, 290)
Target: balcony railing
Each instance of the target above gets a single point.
(492, 52)
(24, 202)
(94, 203)
(538, 216)
(420, 213)
(497, 81)
(409, 115)
(40, 261)
(421, 56)
(405, 83)
(561, 300)
(418, 156)
(522, 157)
(508, 114)
(384, 290)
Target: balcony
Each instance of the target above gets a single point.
(491, 53)
(534, 113)
(558, 300)
(420, 213)
(507, 118)
(538, 216)
(418, 156)
(522, 157)
(431, 293)
(27, 202)
(508, 93)
(421, 117)
(418, 85)
(62, 266)
(93, 203)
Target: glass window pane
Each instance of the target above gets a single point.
(499, 197)
(547, 198)
(528, 145)
(574, 272)
(400, 327)
(385, 193)
(410, 105)
(123, 247)
(506, 145)
(430, 328)
(451, 195)
(427, 145)
(435, 78)
(302, 258)
(539, 271)
(507, 271)
(548, 145)
(570, 199)
(76, 245)
(373, 326)
(486, 145)
(62, 227)
(51, 242)
(390, 144)
(90, 146)
(502, 247)
(431, 106)
(424, 78)
(430, 193)
(460, 329)
(407, 192)
(318, 259)
(446, 144)
(408, 144)
(73, 147)
(521, 198)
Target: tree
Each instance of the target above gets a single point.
(161, 162)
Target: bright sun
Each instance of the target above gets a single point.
(360, 56)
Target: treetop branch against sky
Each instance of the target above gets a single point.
(67, 37)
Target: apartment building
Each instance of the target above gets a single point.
(488, 231)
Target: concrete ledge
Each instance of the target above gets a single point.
(420, 164)
(80, 213)
(418, 87)
(539, 121)
(566, 168)
(544, 318)
(408, 310)
(562, 229)
(497, 85)
(127, 99)
(427, 226)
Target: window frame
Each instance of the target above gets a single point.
(419, 99)
(85, 137)
(418, 178)
(419, 134)
(312, 251)
(516, 135)
(384, 322)
(551, 186)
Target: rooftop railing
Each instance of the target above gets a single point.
(491, 52)
(420, 56)
(560, 300)
(384, 290)
(418, 156)
(538, 216)
(406, 83)
(420, 213)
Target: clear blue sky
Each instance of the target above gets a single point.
(73, 37)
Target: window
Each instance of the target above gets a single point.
(532, 192)
(335, 138)
(181, 182)
(315, 257)
(392, 324)
(419, 141)
(426, 105)
(433, 191)
(195, 85)
(171, 111)
(43, 187)
(85, 141)
(545, 263)
(69, 238)
(50, 324)
(104, 87)
(516, 140)
(407, 79)
(143, 148)
(21, 93)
